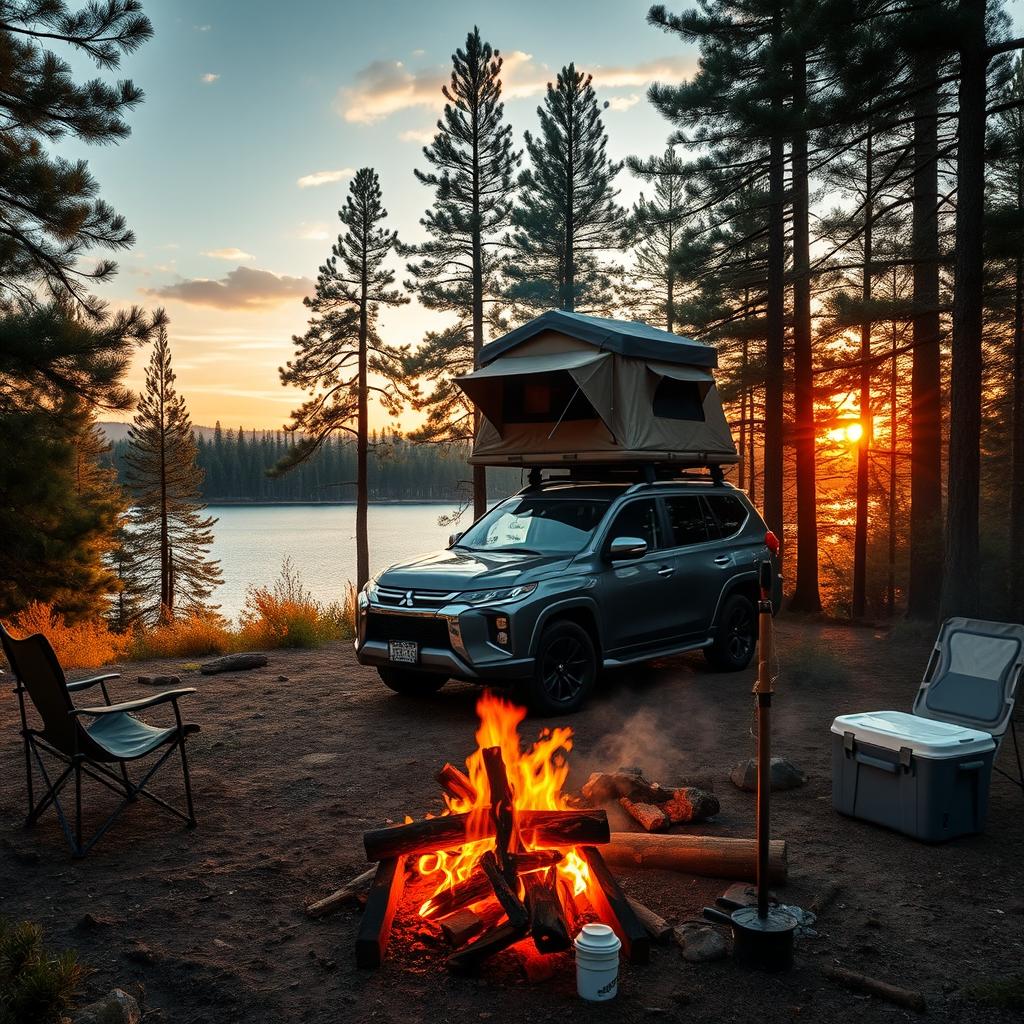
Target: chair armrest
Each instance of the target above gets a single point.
(135, 705)
(84, 684)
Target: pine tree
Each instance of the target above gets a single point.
(567, 218)
(455, 271)
(656, 226)
(172, 536)
(341, 347)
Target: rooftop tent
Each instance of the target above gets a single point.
(567, 388)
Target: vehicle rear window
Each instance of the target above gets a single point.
(686, 520)
(729, 511)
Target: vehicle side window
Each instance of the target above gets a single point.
(686, 520)
(638, 519)
(729, 511)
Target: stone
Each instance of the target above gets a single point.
(701, 943)
(319, 759)
(140, 953)
(282, 679)
(784, 775)
(161, 681)
(116, 1007)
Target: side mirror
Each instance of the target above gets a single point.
(623, 548)
(454, 538)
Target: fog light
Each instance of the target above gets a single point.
(502, 638)
(501, 622)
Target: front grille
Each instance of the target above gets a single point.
(397, 598)
(425, 630)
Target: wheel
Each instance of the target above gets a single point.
(736, 639)
(564, 672)
(410, 684)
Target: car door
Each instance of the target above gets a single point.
(702, 565)
(636, 594)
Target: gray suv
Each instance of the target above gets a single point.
(564, 579)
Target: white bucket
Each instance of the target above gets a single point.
(597, 962)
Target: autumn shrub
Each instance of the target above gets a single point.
(36, 986)
(287, 615)
(85, 644)
(194, 634)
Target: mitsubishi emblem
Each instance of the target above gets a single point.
(406, 601)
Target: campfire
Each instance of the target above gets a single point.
(508, 860)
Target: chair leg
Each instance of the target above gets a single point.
(78, 809)
(188, 783)
(129, 789)
(28, 775)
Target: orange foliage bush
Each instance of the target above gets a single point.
(192, 635)
(82, 645)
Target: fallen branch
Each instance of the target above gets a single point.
(657, 927)
(348, 893)
(905, 997)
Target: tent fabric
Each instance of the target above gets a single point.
(620, 388)
(623, 337)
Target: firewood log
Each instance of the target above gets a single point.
(473, 955)
(506, 895)
(463, 925)
(570, 909)
(456, 783)
(503, 813)
(447, 832)
(711, 856)
(613, 907)
(650, 816)
(375, 924)
(548, 926)
(657, 927)
(348, 893)
(904, 997)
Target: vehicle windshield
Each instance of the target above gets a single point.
(534, 524)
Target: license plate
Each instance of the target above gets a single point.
(407, 652)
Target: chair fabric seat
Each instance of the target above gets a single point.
(126, 738)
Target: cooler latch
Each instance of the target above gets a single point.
(906, 754)
(848, 743)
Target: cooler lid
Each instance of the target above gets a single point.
(973, 674)
(924, 736)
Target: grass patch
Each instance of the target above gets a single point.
(36, 986)
(1001, 993)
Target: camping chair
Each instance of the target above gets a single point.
(113, 736)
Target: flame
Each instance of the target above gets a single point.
(536, 776)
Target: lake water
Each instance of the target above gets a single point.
(252, 540)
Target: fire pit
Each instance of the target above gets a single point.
(509, 859)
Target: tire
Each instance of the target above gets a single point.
(410, 684)
(565, 671)
(736, 637)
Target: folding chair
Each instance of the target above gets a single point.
(112, 736)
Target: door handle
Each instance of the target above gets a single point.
(666, 571)
(722, 560)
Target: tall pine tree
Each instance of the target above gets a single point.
(567, 219)
(341, 358)
(455, 271)
(171, 535)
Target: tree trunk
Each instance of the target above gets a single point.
(961, 593)
(1017, 438)
(925, 578)
(362, 443)
(860, 535)
(166, 599)
(743, 417)
(479, 472)
(806, 597)
(569, 270)
(890, 590)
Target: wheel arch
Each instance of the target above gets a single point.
(743, 583)
(582, 613)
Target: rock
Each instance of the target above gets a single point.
(317, 760)
(282, 679)
(784, 775)
(162, 681)
(233, 663)
(87, 923)
(116, 1007)
(140, 953)
(700, 943)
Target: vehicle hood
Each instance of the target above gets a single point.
(456, 569)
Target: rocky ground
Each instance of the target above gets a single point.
(296, 759)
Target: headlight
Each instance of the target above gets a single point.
(499, 595)
(370, 587)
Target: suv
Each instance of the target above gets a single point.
(564, 579)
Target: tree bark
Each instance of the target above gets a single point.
(961, 593)
(925, 577)
(479, 472)
(362, 436)
(806, 597)
(1017, 438)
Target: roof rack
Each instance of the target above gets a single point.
(639, 476)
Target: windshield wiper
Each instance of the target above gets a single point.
(516, 549)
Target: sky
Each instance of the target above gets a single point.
(255, 117)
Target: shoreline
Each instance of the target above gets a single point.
(246, 503)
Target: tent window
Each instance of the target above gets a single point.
(678, 400)
(545, 398)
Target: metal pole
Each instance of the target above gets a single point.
(763, 690)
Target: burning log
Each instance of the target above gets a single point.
(503, 813)
(681, 807)
(506, 895)
(657, 927)
(375, 926)
(573, 918)
(614, 909)
(477, 886)
(456, 783)
(463, 925)
(349, 892)
(711, 856)
(472, 956)
(537, 828)
(548, 926)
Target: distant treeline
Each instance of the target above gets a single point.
(235, 464)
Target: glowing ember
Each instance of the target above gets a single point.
(536, 776)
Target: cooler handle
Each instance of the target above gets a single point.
(876, 762)
(971, 766)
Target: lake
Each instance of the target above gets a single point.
(252, 540)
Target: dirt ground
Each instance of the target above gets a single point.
(295, 760)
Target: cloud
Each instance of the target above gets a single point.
(313, 231)
(230, 253)
(421, 135)
(385, 87)
(209, 78)
(241, 288)
(202, 28)
(620, 103)
(318, 178)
